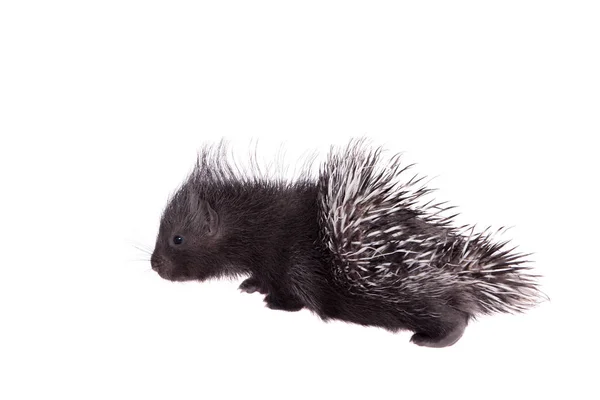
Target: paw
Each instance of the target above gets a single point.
(420, 339)
(451, 334)
(285, 305)
(251, 285)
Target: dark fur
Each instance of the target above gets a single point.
(269, 230)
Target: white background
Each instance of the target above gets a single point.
(104, 104)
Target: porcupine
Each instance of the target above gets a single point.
(356, 244)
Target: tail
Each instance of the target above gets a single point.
(391, 242)
(500, 278)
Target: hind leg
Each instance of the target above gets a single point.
(453, 330)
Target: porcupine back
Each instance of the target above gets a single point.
(388, 244)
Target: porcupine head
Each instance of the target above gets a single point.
(200, 227)
(188, 239)
(192, 241)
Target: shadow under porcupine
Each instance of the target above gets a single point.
(356, 244)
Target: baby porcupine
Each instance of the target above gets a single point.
(356, 244)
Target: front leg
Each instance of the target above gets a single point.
(252, 285)
(278, 296)
(278, 300)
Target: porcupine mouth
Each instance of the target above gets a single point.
(174, 277)
(161, 266)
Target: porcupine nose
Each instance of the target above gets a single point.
(161, 266)
(155, 262)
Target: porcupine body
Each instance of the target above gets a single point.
(356, 244)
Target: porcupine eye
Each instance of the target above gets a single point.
(177, 240)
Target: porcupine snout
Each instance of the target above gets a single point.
(161, 265)
(157, 262)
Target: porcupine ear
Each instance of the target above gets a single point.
(211, 218)
(204, 215)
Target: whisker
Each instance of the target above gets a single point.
(142, 249)
(138, 260)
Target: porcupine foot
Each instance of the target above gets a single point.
(283, 302)
(450, 337)
(275, 300)
(252, 285)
